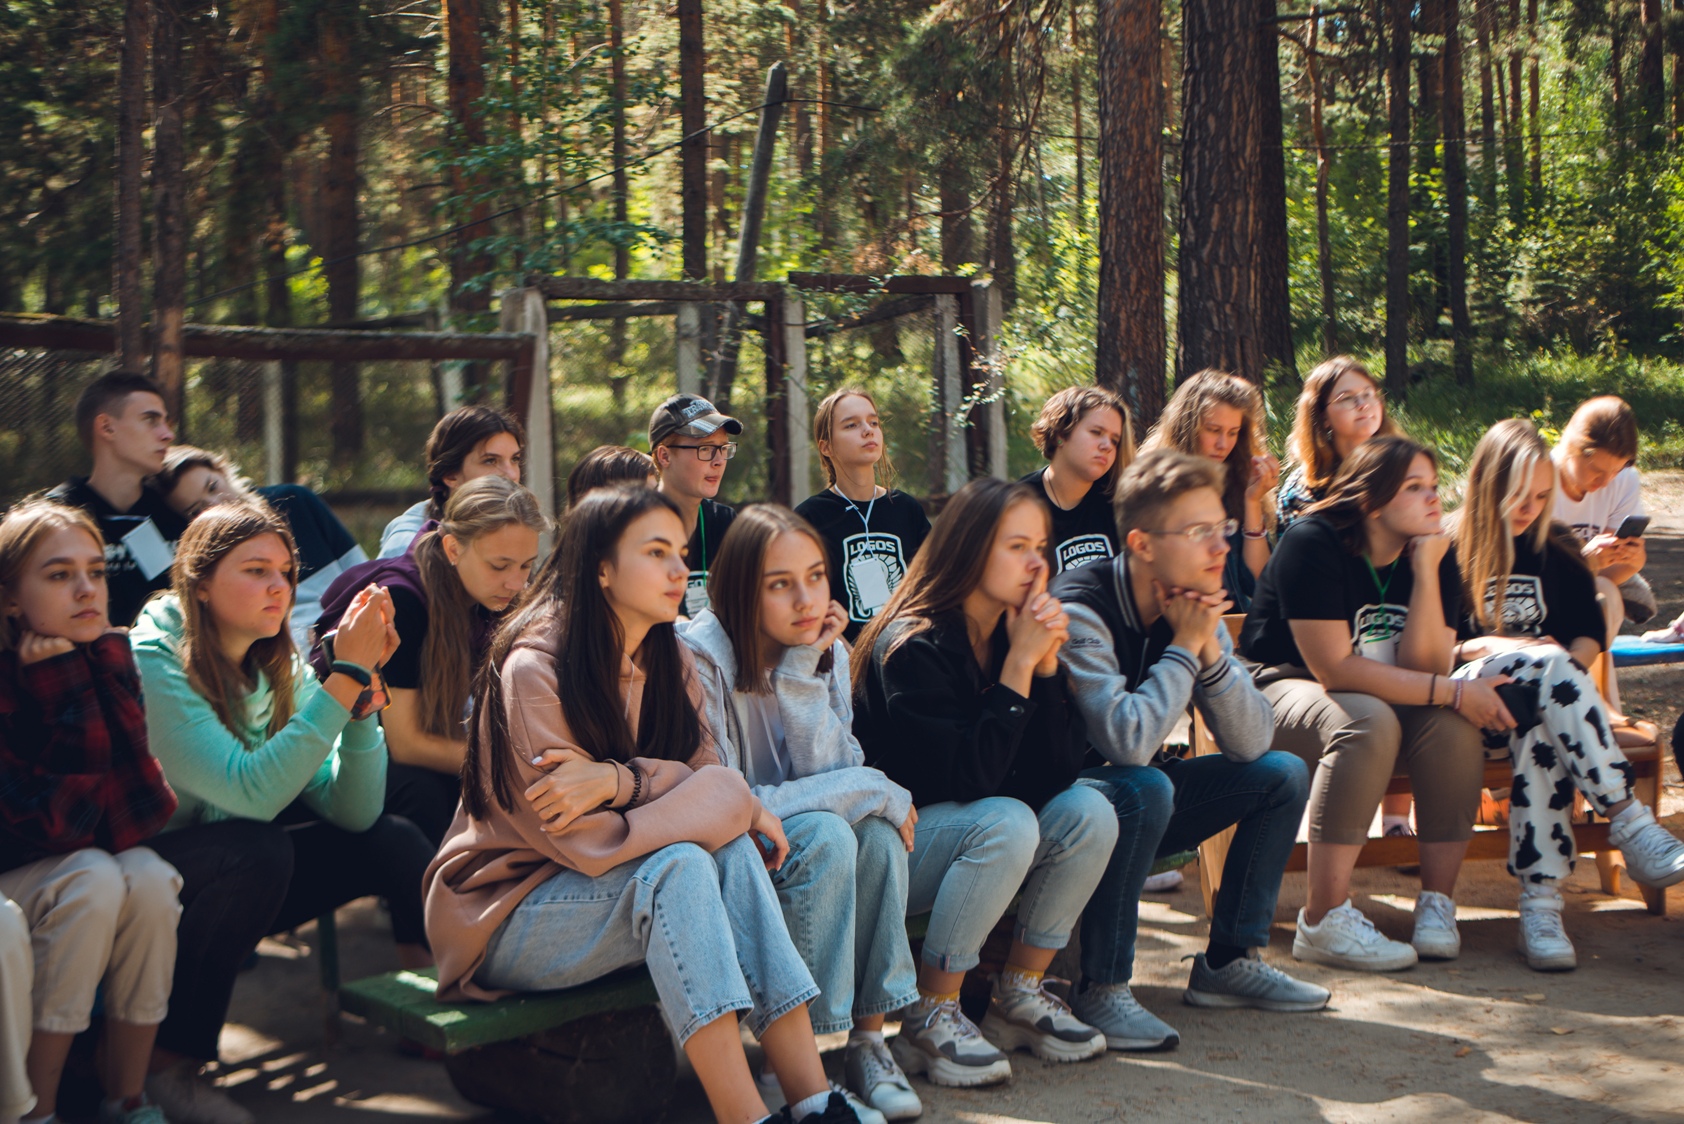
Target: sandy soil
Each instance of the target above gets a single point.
(1480, 1039)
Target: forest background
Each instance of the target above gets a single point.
(1483, 198)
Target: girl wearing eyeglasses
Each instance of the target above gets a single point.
(1220, 417)
(1340, 407)
(1353, 624)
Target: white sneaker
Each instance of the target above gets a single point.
(870, 1071)
(1040, 1022)
(863, 1112)
(1163, 883)
(1541, 939)
(1654, 856)
(1435, 936)
(186, 1098)
(1347, 939)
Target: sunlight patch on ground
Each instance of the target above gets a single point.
(1463, 912)
(1161, 913)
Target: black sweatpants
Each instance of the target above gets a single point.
(243, 880)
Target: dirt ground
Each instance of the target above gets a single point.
(1482, 1038)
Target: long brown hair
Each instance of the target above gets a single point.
(1065, 410)
(570, 604)
(606, 465)
(824, 424)
(202, 547)
(1311, 443)
(479, 507)
(1178, 427)
(1368, 480)
(734, 586)
(949, 566)
(453, 441)
(1499, 474)
(21, 531)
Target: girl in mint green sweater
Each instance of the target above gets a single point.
(280, 778)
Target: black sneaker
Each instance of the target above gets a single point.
(836, 1111)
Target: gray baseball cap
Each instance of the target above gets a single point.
(687, 415)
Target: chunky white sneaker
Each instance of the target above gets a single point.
(1248, 982)
(1040, 1022)
(869, 1070)
(186, 1098)
(1347, 939)
(1654, 856)
(1164, 882)
(945, 1046)
(1113, 1009)
(1541, 939)
(1436, 936)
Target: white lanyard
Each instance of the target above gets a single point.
(865, 516)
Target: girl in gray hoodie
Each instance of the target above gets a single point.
(774, 672)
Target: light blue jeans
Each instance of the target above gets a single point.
(843, 892)
(970, 859)
(666, 910)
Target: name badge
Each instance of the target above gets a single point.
(151, 552)
(696, 593)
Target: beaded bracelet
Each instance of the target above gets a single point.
(637, 785)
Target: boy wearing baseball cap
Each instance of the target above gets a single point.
(691, 441)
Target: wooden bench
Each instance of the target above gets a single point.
(1641, 743)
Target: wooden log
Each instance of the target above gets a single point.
(861, 283)
(616, 1066)
(596, 289)
(68, 333)
(612, 310)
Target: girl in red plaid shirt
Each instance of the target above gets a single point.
(82, 901)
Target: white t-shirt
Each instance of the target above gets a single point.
(765, 755)
(1602, 510)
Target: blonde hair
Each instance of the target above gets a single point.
(1157, 479)
(824, 422)
(21, 531)
(1311, 442)
(1499, 474)
(476, 508)
(206, 542)
(1065, 410)
(1178, 427)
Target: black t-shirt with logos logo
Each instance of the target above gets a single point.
(139, 544)
(1085, 533)
(1549, 594)
(1312, 577)
(713, 519)
(866, 564)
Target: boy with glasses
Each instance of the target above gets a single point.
(1147, 640)
(691, 443)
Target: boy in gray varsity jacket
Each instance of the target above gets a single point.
(1146, 642)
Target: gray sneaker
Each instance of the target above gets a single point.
(870, 1071)
(1113, 1010)
(946, 1047)
(1248, 982)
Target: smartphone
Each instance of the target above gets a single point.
(1632, 527)
(1522, 699)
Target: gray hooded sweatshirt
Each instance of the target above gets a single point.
(827, 766)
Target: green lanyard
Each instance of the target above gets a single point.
(702, 526)
(1375, 574)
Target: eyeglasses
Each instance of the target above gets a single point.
(1359, 401)
(1201, 534)
(710, 453)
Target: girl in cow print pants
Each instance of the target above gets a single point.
(1537, 624)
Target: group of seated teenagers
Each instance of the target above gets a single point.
(741, 748)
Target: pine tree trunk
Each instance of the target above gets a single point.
(1534, 130)
(169, 207)
(1274, 251)
(1484, 18)
(1130, 113)
(1397, 203)
(1002, 251)
(1456, 194)
(1076, 113)
(1651, 76)
(1514, 146)
(131, 117)
(693, 153)
(340, 86)
(958, 232)
(621, 184)
(1677, 77)
(1324, 244)
(1219, 165)
(464, 40)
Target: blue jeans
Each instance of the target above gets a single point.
(1175, 806)
(843, 893)
(969, 859)
(668, 911)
